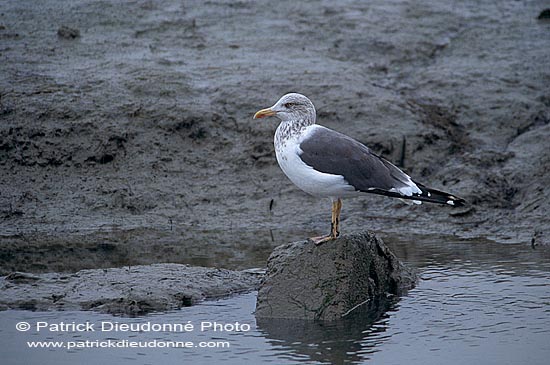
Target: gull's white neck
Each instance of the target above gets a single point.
(291, 130)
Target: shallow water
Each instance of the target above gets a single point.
(476, 302)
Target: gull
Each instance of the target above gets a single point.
(326, 163)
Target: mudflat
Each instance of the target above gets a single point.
(126, 131)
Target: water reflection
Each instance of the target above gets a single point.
(325, 342)
(471, 255)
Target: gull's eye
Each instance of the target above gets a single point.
(289, 105)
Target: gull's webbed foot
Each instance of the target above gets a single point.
(322, 239)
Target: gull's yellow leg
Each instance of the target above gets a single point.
(337, 208)
(334, 224)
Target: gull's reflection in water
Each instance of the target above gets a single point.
(331, 342)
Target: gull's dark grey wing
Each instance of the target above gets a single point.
(334, 153)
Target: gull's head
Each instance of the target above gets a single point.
(290, 107)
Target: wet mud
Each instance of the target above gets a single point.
(126, 131)
(129, 291)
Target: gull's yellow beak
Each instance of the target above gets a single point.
(267, 112)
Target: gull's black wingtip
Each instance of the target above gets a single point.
(455, 201)
(440, 197)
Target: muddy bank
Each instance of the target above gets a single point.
(142, 121)
(134, 290)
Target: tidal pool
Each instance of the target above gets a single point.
(476, 303)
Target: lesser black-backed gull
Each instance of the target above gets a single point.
(326, 163)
